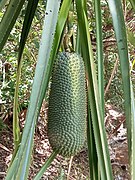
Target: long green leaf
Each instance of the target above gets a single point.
(99, 45)
(60, 25)
(30, 11)
(23, 168)
(93, 94)
(78, 44)
(132, 159)
(45, 166)
(29, 15)
(9, 20)
(51, 12)
(93, 160)
(120, 31)
(37, 92)
(92, 154)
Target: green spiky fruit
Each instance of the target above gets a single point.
(67, 105)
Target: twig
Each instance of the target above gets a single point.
(3, 147)
(112, 75)
(69, 168)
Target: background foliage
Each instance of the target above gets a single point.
(9, 61)
(8, 56)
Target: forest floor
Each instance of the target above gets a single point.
(117, 140)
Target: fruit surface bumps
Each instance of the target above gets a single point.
(67, 105)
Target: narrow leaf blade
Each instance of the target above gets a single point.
(120, 32)
(9, 20)
(30, 11)
(99, 43)
(93, 95)
(37, 91)
(133, 134)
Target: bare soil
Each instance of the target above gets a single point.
(117, 140)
